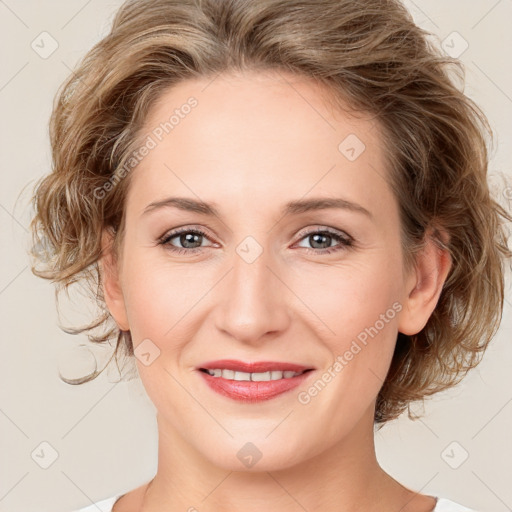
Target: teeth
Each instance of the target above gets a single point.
(256, 377)
(228, 374)
(260, 377)
(242, 376)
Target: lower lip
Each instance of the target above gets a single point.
(249, 391)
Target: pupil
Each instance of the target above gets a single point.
(316, 238)
(192, 238)
(188, 238)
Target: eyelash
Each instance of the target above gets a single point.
(346, 241)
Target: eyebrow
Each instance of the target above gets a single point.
(290, 208)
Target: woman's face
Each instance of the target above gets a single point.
(278, 275)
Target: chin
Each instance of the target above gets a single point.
(259, 454)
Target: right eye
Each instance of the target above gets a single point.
(185, 236)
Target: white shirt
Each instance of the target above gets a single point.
(443, 505)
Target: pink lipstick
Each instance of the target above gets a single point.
(254, 381)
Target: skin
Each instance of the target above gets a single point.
(254, 142)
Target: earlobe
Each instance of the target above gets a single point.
(425, 285)
(110, 281)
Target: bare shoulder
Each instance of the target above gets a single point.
(416, 502)
(404, 499)
(130, 501)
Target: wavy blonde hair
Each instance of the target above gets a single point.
(371, 56)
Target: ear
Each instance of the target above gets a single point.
(109, 271)
(424, 285)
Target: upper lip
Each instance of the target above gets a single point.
(253, 367)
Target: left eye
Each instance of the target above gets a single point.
(190, 238)
(187, 237)
(324, 238)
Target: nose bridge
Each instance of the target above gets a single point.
(251, 274)
(253, 302)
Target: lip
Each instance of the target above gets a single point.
(253, 367)
(253, 391)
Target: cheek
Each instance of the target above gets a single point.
(160, 301)
(361, 350)
(369, 327)
(159, 295)
(356, 308)
(347, 300)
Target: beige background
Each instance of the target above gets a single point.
(103, 433)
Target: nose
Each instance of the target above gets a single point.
(252, 302)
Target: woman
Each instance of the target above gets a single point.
(282, 207)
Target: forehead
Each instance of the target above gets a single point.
(256, 137)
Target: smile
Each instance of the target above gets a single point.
(235, 380)
(253, 377)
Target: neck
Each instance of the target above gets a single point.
(345, 477)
